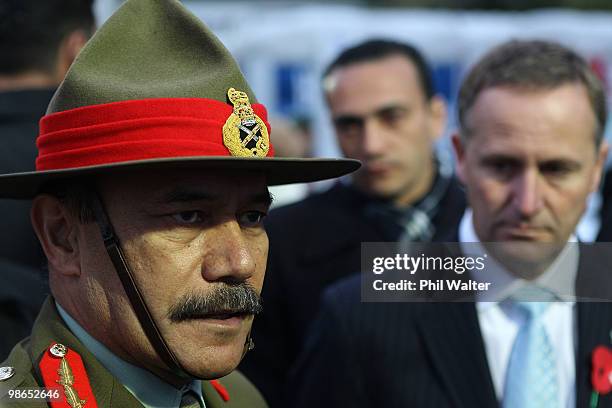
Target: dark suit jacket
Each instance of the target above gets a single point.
(425, 354)
(21, 257)
(313, 244)
(20, 112)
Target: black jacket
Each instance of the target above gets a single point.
(20, 112)
(314, 243)
(21, 257)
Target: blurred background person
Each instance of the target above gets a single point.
(38, 42)
(530, 150)
(382, 102)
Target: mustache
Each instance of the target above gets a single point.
(222, 301)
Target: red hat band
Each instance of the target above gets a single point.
(135, 130)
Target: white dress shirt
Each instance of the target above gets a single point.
(499, 323)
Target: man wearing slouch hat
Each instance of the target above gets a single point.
(149, 193)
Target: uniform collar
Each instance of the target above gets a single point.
(149, 389)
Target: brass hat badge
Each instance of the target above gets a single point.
(244, 133)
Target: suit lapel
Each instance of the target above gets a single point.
(452, 335)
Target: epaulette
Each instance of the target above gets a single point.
(15, 370)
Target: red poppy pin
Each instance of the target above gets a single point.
(601, 374)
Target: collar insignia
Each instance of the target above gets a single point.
(62, 369)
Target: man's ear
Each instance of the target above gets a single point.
(602, 156)
(438, 115)
(459, 148)
(57, 231)
(69, 49)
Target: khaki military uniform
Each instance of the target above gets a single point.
(49, 328)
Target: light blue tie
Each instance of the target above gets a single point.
(531, 378)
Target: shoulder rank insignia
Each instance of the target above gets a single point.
(244, 133)
(6, 373)
(62, 369)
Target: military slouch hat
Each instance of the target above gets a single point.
(155, 89)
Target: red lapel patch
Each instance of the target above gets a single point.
(62, 369)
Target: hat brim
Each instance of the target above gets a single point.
(278, 170)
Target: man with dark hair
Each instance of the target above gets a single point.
(151, 185)
(529, 151)
(38, 42)
(373, 50)
(386, 114)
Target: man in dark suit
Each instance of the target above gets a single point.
(385, 112)
(529, 152)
